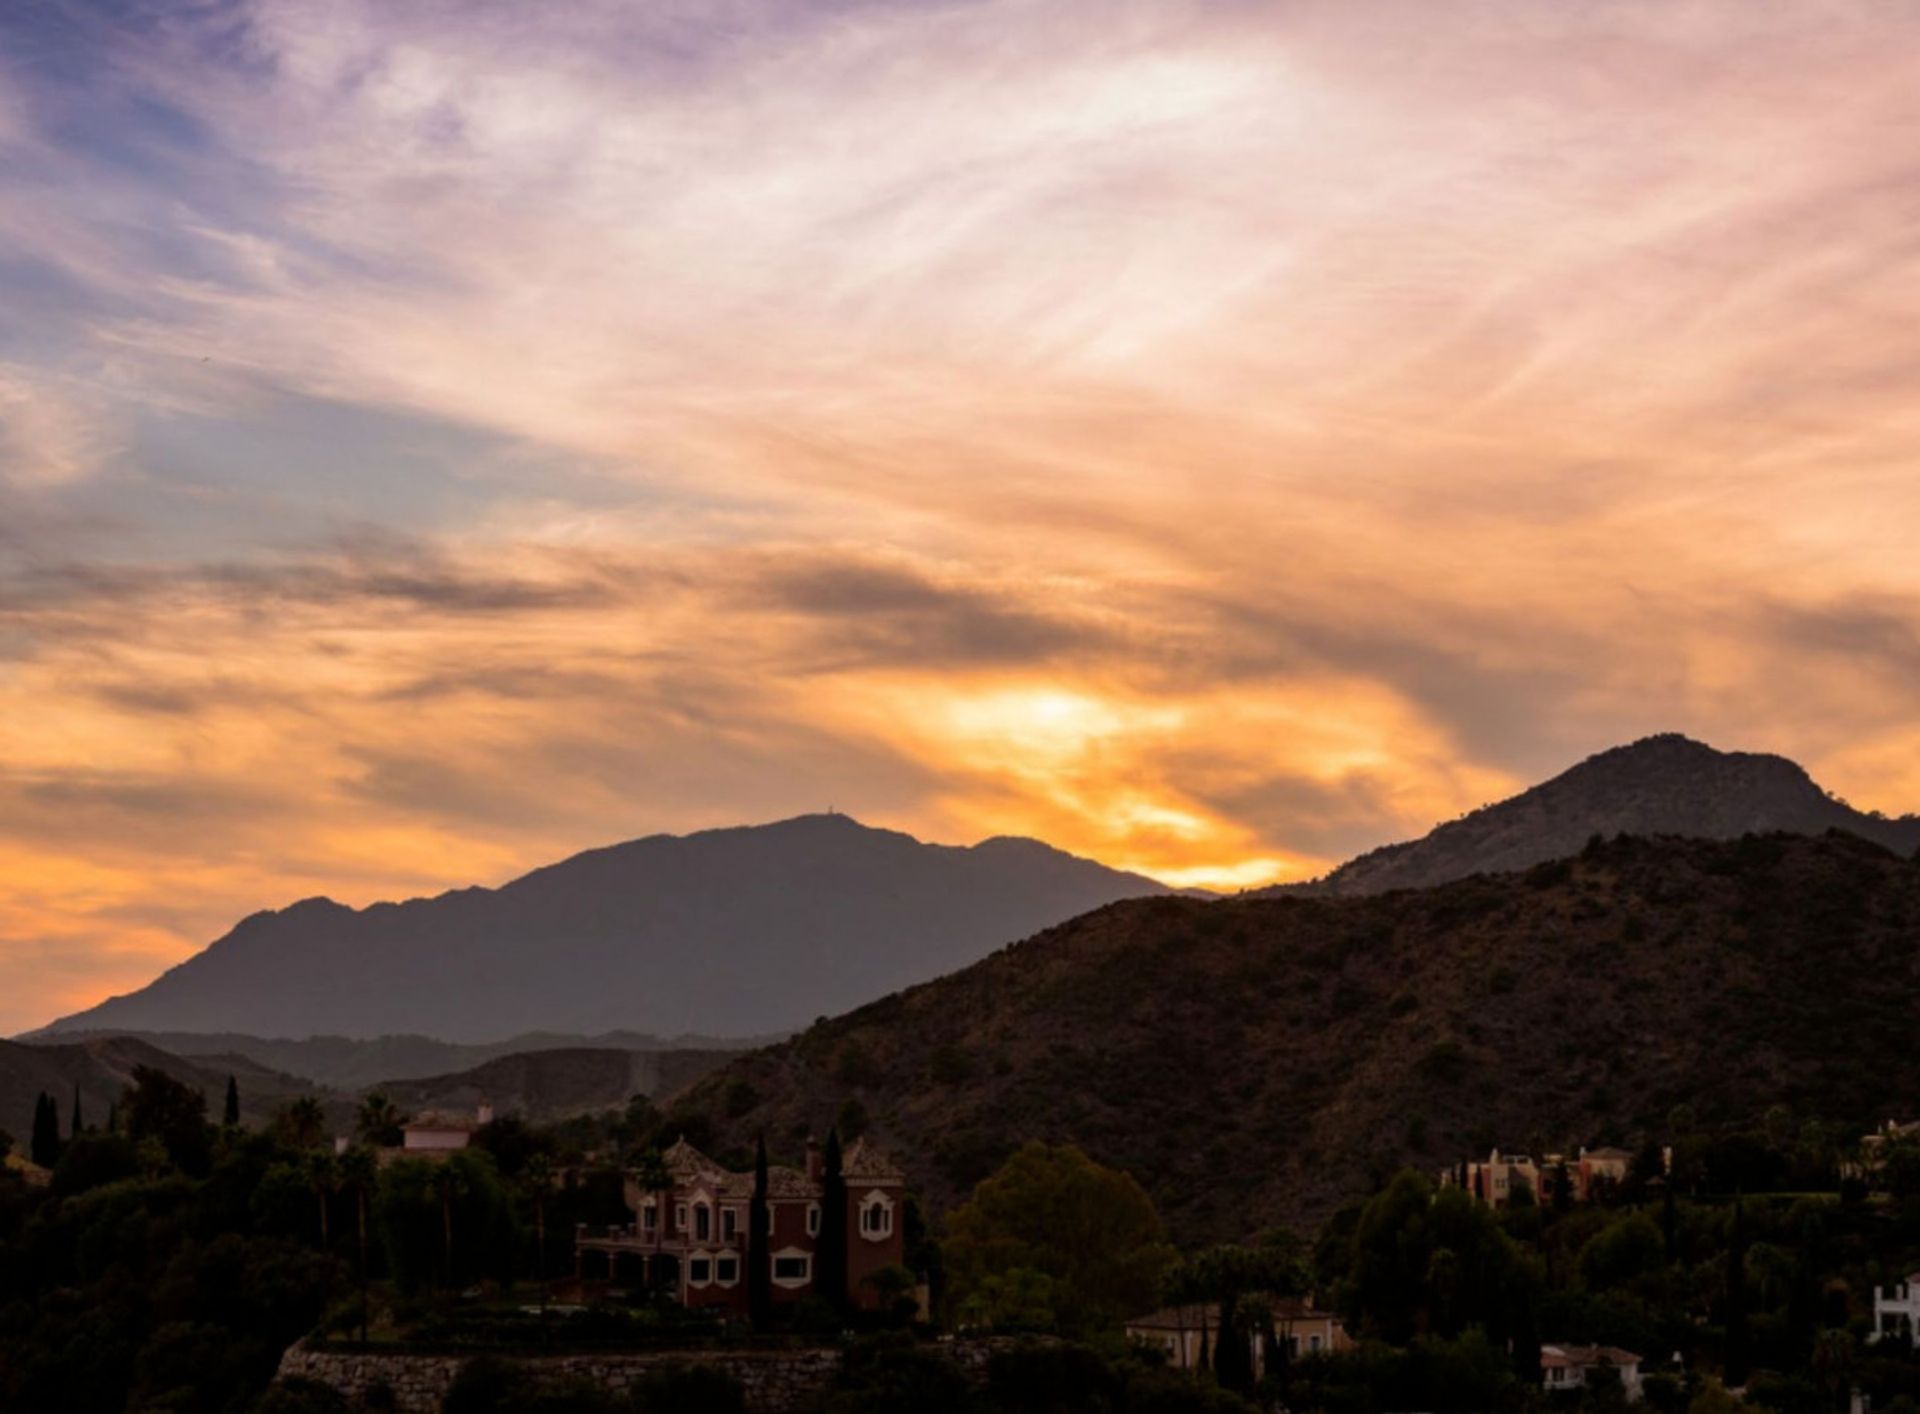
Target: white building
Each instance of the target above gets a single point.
(1896, 1310)
(1190, 1335)
(438, 1133)
(1569, 1367)
(1497, 1180)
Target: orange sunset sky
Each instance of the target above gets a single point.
(1211, 437)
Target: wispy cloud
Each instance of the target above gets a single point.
(1211, 435)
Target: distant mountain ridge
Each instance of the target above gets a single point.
(347, 1063)
(539, 1085)
(99, 1068)
(744, 931)
(542, 1086)
(1661, 785)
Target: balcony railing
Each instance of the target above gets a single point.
(630, 1238)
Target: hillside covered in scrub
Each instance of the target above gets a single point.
(1256, 1061)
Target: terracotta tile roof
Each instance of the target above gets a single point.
(691, 1168)
(862, 1160)
(682, 1159)
(1585, 1355)
(783, 1182)
(1294, 1308)
(443, 1123)
(1200, 1316)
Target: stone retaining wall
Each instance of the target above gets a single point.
(775, 1381)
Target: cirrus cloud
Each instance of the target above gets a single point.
(1213, 436)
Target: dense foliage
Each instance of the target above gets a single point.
(1452, 1300)
(1054, 1242)
(169, 1263)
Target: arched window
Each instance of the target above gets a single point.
(876, 1217)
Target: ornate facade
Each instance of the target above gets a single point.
(689, 1238)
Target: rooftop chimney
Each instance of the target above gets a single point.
(814, 1165)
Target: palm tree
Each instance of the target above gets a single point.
(359, 1171)
(449, 1182)
(538, 1178)
(304, 1123)
(379, 1120)
(323, 1174)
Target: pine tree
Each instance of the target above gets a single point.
(830, 1249)
(230, 1116)
(759, 1246)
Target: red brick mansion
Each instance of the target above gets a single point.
(690, 1238)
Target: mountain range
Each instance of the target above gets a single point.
(1660, 785)
(1255, 1061)
(732, 932)
(758, 929)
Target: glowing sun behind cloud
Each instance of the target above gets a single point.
(1213, 437)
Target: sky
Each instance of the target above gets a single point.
(1215, 438)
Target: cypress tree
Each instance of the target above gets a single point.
(1233, 1353)
(1526, 1334)
(74, 1131)
(1279, 1347)
(230, 1116)
(759, 1246)
(45, 1147)
(1670, 1224)
(830, 1250)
